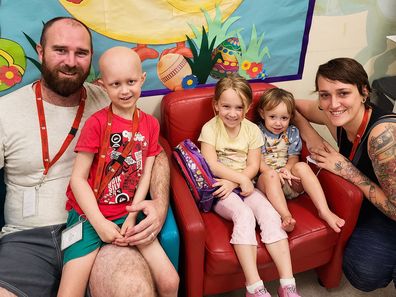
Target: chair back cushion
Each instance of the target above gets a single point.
(185, 112)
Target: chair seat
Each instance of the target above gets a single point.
(310, 236)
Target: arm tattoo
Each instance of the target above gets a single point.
(349, 172)
(382, 151)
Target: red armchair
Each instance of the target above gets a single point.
(208, 262)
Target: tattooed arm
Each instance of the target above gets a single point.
(382, 152)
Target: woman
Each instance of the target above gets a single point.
(343, 88)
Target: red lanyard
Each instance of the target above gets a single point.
(43, 129)
(99, 183)
(359, 134)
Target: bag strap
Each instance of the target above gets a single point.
(389, 118)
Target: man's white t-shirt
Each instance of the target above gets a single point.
(21, 155)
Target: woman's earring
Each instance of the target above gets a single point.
(364, 100)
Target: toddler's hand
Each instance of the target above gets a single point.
(286, 175)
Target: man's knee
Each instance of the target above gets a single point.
(120, 271)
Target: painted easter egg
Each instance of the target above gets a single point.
(172, 69)
(12, 63)
(228, 49)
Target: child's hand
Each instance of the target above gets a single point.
(247, 187)
(286, 175)
(108, 231)
(225, 188)
(129, 222)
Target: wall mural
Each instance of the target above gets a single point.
(182, 43)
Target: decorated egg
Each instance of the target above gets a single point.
(228, 49)
(172, 69)
(12, 63)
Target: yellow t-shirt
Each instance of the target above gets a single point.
(232, 152)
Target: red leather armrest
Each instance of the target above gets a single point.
(191, 227)
(343, 197)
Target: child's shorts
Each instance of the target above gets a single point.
(90, 241)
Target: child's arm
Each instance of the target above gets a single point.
(209, 153)
(252, 163)
(107, 230)
(140, 194)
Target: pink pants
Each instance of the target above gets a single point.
(244, 214)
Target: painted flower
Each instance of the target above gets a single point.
(9, 75)
(190, 82)
(255, 69)
(245, 65)
(262, 75)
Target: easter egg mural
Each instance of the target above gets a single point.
(200, 30)
(228, 49)
(172, 69)
(12, 64)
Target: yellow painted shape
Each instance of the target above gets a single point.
(149, 21)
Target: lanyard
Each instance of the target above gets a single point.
(43, 129)
(359, 134)
(101, 183)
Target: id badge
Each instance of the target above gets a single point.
(71, 235)
(29, 207)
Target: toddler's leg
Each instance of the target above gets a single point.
(243, 234)
(75, 275)
(270, 184)
(311, 185)
(165, 275)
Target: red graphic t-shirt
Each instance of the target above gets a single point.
(121, 188)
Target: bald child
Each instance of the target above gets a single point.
(115, 156)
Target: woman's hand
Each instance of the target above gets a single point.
(225, 188)
(328, 158)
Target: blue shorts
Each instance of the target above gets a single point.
(90, 241)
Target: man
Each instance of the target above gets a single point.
(37, 125)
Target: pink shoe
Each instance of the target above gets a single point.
(260, 292)
(288, 291)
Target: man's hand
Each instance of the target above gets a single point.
(148, 228)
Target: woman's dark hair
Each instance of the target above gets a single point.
(345, 70)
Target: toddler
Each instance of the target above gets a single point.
(281, 173)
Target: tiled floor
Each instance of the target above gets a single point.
(309, 287)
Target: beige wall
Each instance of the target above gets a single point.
(330, 37)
